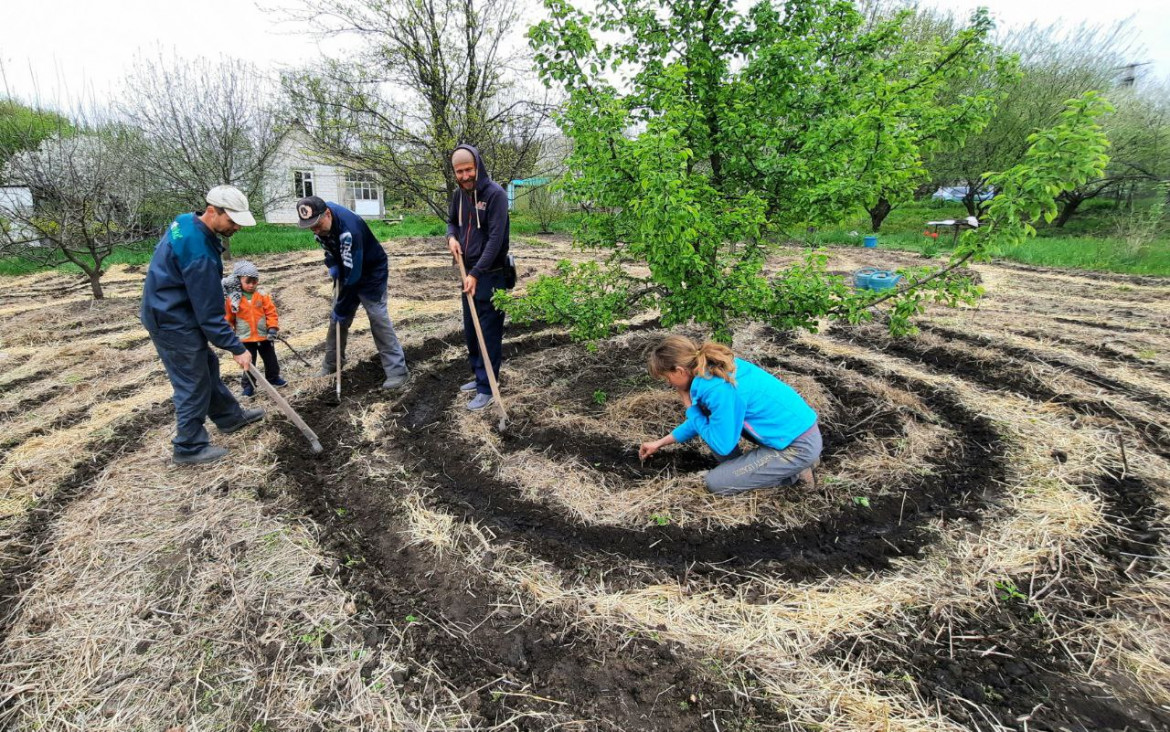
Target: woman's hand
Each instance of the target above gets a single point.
(649, 448)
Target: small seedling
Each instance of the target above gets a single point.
(660, 519)
(862, 501)
(599, 397)
(1008, 591)
(340, 511)
(412, 618)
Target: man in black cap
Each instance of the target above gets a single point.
(357, 263)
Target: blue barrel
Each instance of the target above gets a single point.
(861, 277)
(871, 241)
(883, 280)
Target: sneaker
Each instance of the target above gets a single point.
(278, 382)
(209, 454)
(469, 386)
(393, 383)
(249, 416)
(249, 390)
(479, 402)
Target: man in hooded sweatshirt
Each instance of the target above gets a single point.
(477, 230)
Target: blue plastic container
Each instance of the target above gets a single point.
(861, 277)
(883, 280)
(871, 241)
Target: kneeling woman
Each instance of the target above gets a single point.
(727, 398)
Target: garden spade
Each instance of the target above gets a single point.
(285, 407)
(336, 335)
(491, 372)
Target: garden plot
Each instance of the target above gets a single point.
(984, 548)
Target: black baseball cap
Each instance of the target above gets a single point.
(309, 210)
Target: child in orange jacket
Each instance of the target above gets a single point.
(252, 315)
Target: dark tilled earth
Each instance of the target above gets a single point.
(625, 683)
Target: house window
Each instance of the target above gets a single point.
(303, 183)
(362, 186)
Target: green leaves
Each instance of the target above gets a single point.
(1059, 158)
(699, 131)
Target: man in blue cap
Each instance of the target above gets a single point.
(182, 310)
(358, 264)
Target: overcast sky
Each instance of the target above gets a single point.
(55, 51)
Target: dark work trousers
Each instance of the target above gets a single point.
(491, 321)
(193, 369)
(266, 351)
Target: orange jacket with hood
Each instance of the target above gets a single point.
(255, 317)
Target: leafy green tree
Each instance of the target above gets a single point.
(697, 130)
(1139, 153)
(1057, 62)
(956, 107)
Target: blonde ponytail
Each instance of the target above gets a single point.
(709, 359)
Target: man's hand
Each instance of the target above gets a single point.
(469, 285)
(453, 245)
(273, 333)
(334, 272)
(243, 359)
(335, 318)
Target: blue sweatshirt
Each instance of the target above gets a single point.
(760, 407)
(357, 254)
(182, 294)
(479, 221)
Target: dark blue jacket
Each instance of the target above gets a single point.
(361, 261)
(182, 296)
(479, 221)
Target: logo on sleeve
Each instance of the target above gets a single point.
(347, 250)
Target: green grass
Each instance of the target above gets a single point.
(260, 239)
(1090, 240)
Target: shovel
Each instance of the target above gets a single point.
(285, 407)
(483, 351)
(336, 335)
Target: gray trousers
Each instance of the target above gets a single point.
(765, 467)
(386, 340)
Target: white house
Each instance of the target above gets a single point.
(299, 171)
(16, 203)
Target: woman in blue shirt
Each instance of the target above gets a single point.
(727, 398)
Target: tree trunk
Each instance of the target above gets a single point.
(878, 213)
(1069, 207)
(970, 204)
(95, 283)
